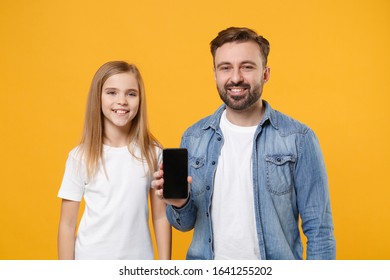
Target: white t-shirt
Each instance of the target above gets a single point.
(114, 224)
(232, 212)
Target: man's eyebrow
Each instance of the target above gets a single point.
(248, 62)
(223, 63)
(242, 62)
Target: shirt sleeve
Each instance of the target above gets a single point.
(314, 200)
(159, 157)
(73, 182)
(159, 161)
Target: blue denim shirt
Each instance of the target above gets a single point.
(289, 181)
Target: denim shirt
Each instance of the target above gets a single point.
(289, 182)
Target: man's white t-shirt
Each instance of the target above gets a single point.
(114, 224)
(232, 212)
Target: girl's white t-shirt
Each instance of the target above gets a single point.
(115, 223)
(232, 207)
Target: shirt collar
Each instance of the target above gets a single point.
(269, 114)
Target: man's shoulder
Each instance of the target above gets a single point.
(201, 126)
(287, 124)
(198, 127)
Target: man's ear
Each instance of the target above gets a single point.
(266, 74)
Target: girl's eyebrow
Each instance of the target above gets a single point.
(132, 89)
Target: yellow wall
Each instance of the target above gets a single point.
(330, 69)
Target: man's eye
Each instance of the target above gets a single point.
(248, 67)
(224, 68)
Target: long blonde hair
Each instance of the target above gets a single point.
(91, 146)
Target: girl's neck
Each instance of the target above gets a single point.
(116, 138)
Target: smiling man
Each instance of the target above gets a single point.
(253, 170)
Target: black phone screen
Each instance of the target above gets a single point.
(175, 165)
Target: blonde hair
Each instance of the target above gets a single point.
(91, 146)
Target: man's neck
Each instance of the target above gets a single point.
(249, 117)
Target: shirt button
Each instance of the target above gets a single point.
(207, 214)
(208, 188)
(197, 162)
(209, 240)
(213, 162)
(219, 138)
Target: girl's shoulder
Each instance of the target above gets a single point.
(158, 150)
(76, 153)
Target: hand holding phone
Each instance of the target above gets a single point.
(175, 163)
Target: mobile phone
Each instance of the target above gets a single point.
(175, 164)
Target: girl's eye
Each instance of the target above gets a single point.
(110, 92)
(132, 93)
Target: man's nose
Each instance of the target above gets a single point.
(236, 76)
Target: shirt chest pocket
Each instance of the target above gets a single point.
(197, 171)
(279, 171)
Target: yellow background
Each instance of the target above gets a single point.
(329, 69)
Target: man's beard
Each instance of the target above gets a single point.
(240, 102)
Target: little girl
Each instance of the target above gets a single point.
(112, 169)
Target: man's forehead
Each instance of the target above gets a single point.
(238, 51)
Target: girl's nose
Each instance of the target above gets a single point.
(122, 99)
